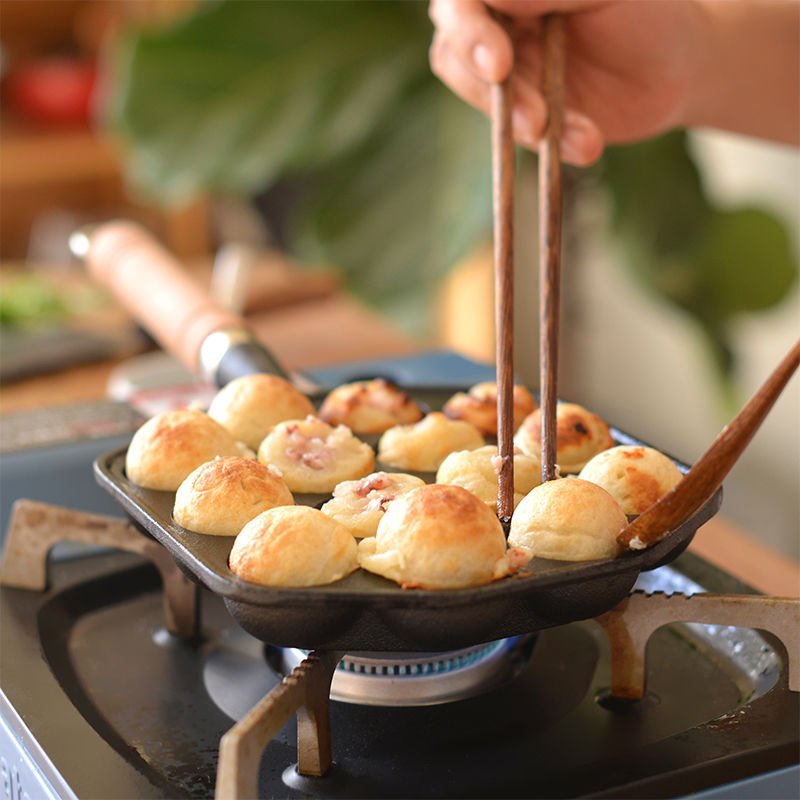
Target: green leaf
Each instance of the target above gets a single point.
(398, 215)
(242, 92)
(657, 193)
(711, 263)
(29, 300)
(746, 262)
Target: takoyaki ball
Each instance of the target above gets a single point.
(439, 537)
(313, 457)
(477, 471)
(635, 476)
(580, 434)
(250, 405)
(164, 450)
(479, 406)
(369, 406)
(423, 446)
(293, 546)
(360, 505)
(221, 496)
(568, 519)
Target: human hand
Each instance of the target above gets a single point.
(629, 65)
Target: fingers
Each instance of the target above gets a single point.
(582, 142)
(474, 36)
(528, 112)
(450, 69)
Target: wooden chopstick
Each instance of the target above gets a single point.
(503, 172)
(552, 89)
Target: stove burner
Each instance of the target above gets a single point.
(422, 679)
(239, 670)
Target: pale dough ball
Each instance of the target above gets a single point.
(479, 406)
(475, 471)
(439, 537)
(568, 519)
(312, 456)
(635, 476)
(423, 446)
(293, 546)
(580, 434)
(172, 444)
(369, 406)
(250, 405)
(221, 496)
(360, 505)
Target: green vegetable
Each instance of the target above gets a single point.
(29, 300)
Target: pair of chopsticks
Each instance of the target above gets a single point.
(503, 171)
(708, 472)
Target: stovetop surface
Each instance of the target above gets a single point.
(125, 710)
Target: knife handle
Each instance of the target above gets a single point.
(165, 299)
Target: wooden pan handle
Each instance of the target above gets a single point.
(155, 289)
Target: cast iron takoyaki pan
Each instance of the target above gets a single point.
(367, 612)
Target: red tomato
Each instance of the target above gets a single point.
(53, 90)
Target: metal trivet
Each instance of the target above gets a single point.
(36, 527)
(419, 679)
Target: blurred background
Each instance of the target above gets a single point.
(313, 137)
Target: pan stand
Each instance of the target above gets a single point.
(630, 624)
(305, 691)
(36, 527)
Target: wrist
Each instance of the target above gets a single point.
(745, 71)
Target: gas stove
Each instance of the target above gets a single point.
(112, 688)
(99, 700)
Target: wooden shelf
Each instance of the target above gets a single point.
(34, 158)
(77, 170)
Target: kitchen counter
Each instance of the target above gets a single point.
(342, 330)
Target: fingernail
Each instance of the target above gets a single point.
(484, 61)
(571, 145)
(573, 137)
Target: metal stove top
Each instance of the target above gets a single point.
(100, 702)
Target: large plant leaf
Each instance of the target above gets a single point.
(408, 206)
(243, 94)
(243, 91)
